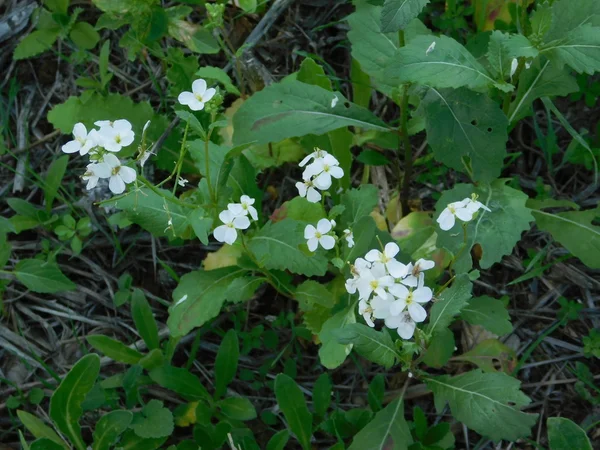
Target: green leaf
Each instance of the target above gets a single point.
(179, 380)
(131, 441)
(448, 65)
(243, 289)
(372, 158)
(279, 440)
(276, 246)
(376, 346)
(199, 298)
(576, 231)
(440, 349)
(488, 312)
(312, 73)
(219, 165)
(218, 74)
(564, 434)
(193, 37)
(39, 429)
(226, 362)
(84, 35)
(54, 179)
(397, 14)
(301, 210)
(467, 131)
(57, 6)
(237, 408)
(155, 421)
(488, 403)
(579, 49)
(497, 231)
(294, 108)
(142, 315)
(41, 276)
(293, 406)
(566, 19)
(109, 428)
(135, 7)
(358, 203)
(45, 444)
(490, 354)
(312, 293)
(450, 303)
(114, 349)
(332, 354)
(201, 224)
(387, 425)
(35, 43)
(322, 394)
(65, 404)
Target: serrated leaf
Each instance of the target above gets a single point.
(276, 246)
(332, 354)
(312, 293)
(199, 298)
(397, 14)
(179, 380)
(293, 406)
(142, 315)
(488, 403)
(450, 303)
(109, 428)
(496, 232)
(467, 131)
(39, 429)
(243, 289)
(447, 65)
(155, 421)
(566, 19)
(226, 362)
(294, 108)
(35, 43)
(489, 313)
(387, 427)
(376, 346)
(564, 434)
(41, 276)
(440, 349)
(65, 404)
(358, 203)
(114, 349)
(489, 353)
(579, 49)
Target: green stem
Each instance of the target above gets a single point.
(405, 141)
(181, 157)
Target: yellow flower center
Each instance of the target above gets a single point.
(318, 235)
(198, 97)
(374, 284)
(116, 170)
(118, 138)
(325, 168)
(452, 209)
(409, 299)
(230, 225)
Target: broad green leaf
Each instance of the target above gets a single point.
(84, 35)
(142, 315)
(503, 48)
(293, 406)
(41, 276)
(358, 203)
(114, 349)
(322, 394)
(579, 49)
(276, 246)
(39, 429)
(450, 303)
(366, 237)
(312, 73)
(566, 18)
(541, 21)
(219, 165)
(413, 231)
(243, 289)
(312, 293)
(387, 431)
(179, 380)
(44, 444)
(300, 210)
(35, 43)
(361, 85)
(496, 232)
(65, 404)
(226, 362)
(440, 349)
(488, 312)
(279, 440)
(332, 354)
(467, 131)
(376, 346)
(219, 75)
(155, 421)
(131, 441)
(109, 428)
(54, 178)
(237, 408)
(564, 434)
(576, 231)
(201, 223)
(488, 403)
(447, 65)
(489, 355)
(294, 108)
(540, 81)
(242, 180)
(199, 298)
(397, 14)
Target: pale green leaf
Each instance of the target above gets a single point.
(376, 346)
(294, 108)
(109, 428)
(54, 178)
(155, 421)
(312, 73)
(41, 276)
(358, 203)
(564, 434)
(489, 313)
(39, 429)
(467, 131)
(35, 43)
(449, 304)
(197, 39)
(397, 14)
(293, 406)
(579, 49)
(488, 403)
(387, 427)
(332, 354)
(566, 18)
(84, 35)
(237, 408)
(114, 349)
(312, 293)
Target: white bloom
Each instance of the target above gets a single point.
(415, 272)
(349, 236)
(317, 154)
(318, 235)
(307, 189)
(430, 48)
(323, 169)
(83, 141)
(395, 268)
(403, 323)
(513, 67)
(359, 266)
(334, 101)
(103, 123)
(447, 218)
(182, 181)
(410, 300)
(365, 310)
(381, 306)
(119, 175)
(244, 207)
(472, 205)
(199, 96)
(94, 172)
(116, 136)
(374, 280)
(227, 233)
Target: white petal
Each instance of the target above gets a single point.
(208, 95)
(301, 189)
(417, 312)
(312, 243)
(464, 214)
(323, 181)
(313, 195)
(350, 286)
(196, 105)
(112, 160)
(396, 269)
(312, 169)
(219, 233)
(237, 209)
(422, 295)
(446, 220)
(92, 182)
(424, 264)
(79, 131)
(116, 185)
(230, 235)
(324, 226)
(373, 255)
(327, 242)
(398, 291)
(101, 170)
(306, 160)
(247, 200)
(127, 138)
(368, 320)
(406, 330)
(397, 307)
(330, 160)
(410, 281)
(253, 212)
(241, 222)
(127, 174)
(336, 172)
(122, 125)
(199, 86)
(103, 123)
(71, 147)
(185, 98)
(226, 216)
(309, 232)
(391, 249)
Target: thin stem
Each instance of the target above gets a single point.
(207, 163)
(405, 141)
(181, 156)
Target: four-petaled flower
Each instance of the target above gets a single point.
(94, 172)
(244, 207)
(394, 267)
(199, 96)
(119, 175)
(315, 236)
(307, 189)
(116, 135)
(323, 169)
(83, 141)
(375, 281)
(402, 323)
(410, 300)
(231, 223)
(464, 210)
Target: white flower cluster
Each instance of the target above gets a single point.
(101, 145)
(390, 290)
(465, 210)
(317, 175)
(234, 218)
(322, 234)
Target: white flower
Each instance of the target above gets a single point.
(244, 207)
(513, 67)
(415, 272)
(318, 235)
(119, 175)
(374, 280)
(447, 218)
(83, 141)
(472, 205)
(359, 266)
(365, 310)
(227, 233)
(116, 136)
(395, 268)
(334, 101)
(94, 172)
(323, 169)
(307, 189)
(103, 123)
(410, 300)
(403, 323)
(381, 306)
(317, 154)
(349, 236)
(199, 96)
(430, 48)
(182, 181)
